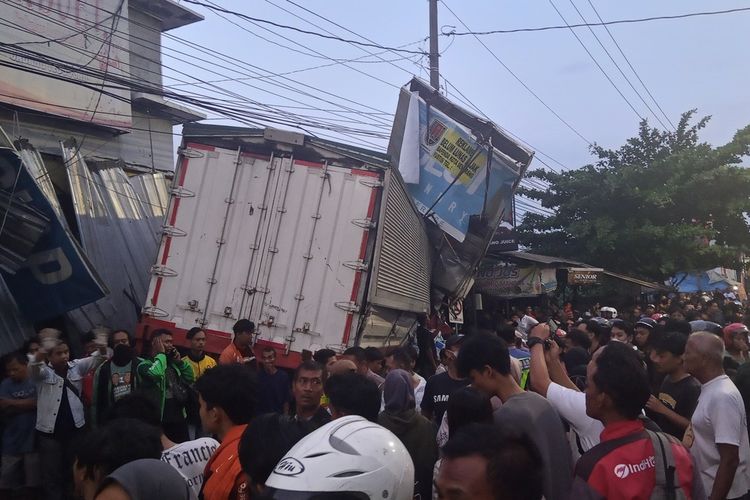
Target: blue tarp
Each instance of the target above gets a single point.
(700, 282)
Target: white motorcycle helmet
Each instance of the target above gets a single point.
(349, 457)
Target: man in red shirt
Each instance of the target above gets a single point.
(625, 464)
(226, 395)
(240, 350)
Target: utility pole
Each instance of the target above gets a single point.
(434, 51)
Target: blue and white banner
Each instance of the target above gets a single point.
(55, 277)
(446, 150)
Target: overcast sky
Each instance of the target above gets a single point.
(698, 63)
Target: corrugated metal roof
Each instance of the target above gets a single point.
(545, 259)
(218, 132)
(14, 329)
(119, 236)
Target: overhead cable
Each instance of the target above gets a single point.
(627, 60)
(519, 80)
(217, 8)
(601, 69)
(602, 23)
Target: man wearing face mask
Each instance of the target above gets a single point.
(115, 378)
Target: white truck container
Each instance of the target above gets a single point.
(315, 242)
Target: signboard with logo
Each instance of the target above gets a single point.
(584, 276)
(450, 180)
(511, 281)
(55, 277)
(505, 240)
(62, 53)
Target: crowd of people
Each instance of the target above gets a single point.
(552, 404)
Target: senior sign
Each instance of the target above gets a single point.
(584, 276)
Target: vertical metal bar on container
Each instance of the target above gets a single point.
(220, 243)
(273, 250)
(256, 240)
(308, 256)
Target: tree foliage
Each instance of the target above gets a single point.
(662, 203)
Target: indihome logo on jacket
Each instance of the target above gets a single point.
(624, 470)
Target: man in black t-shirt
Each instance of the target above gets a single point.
(274, 388)
(440, 387)
(679, 392)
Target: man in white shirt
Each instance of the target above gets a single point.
(550, 380)
(717, 436)
(188, 458)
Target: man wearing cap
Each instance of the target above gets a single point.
(644, 338)
(678, 395)
(240, 350)
(643, 329)
(440, 387)
(736, 344)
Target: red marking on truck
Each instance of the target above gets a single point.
(172, 219)
(358, 274)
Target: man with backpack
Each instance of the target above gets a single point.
(630, 462)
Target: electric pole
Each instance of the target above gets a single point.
(434, 51)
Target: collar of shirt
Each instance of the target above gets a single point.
(714, 380)
(620, 429)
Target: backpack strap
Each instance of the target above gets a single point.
(588, 461)
(667, 482)
(67, 383)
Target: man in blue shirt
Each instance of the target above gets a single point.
(20, 462)
(274, 388)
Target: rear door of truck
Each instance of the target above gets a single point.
(278, 240)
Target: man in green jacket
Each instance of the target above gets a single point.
(167, 378)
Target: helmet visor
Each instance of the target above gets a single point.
(277, 494)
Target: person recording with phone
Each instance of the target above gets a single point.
(166, 377)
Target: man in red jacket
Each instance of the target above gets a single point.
(630, 462)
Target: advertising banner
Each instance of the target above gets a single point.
(510, 281)
(56, 277)
(43, 40)
(451, 183)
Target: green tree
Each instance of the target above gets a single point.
(662, 203)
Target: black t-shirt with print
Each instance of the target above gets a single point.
(437, 392)
(680, 397)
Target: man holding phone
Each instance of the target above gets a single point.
(168, 378)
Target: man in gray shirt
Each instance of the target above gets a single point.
(486, 361)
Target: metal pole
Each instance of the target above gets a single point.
(434, 51)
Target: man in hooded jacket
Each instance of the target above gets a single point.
(416, 432)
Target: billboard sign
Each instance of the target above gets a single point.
(53, 38)
(511, 281)
(451, 179)
(55, 277)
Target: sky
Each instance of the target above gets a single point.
(690, 63)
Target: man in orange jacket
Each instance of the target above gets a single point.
(226, 395)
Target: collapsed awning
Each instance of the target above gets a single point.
(526, 260)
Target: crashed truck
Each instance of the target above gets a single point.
(323, 244)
